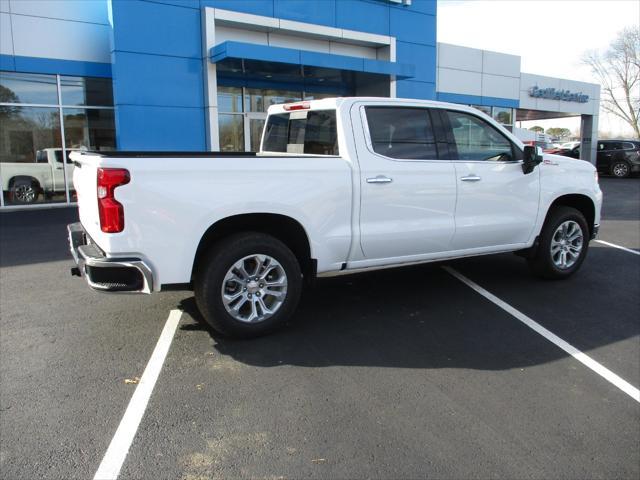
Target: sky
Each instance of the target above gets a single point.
(549, 35)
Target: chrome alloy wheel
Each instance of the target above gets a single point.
(254, 288)
(566, 244)
(621, 169)
(25, 193)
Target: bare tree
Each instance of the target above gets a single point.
(618, 70)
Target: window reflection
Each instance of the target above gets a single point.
(259, 100)
(86, 91)
(231, 133)
(89, 129)
(33, 166)
(28, 88)
(30, 143)
(229, 99)
(502, 115)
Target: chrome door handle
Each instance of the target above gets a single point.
(379, 179)
(471, 178)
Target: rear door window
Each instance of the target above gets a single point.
(311, 132)
(401, 132)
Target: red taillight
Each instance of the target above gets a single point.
(111, 211)
(297, 106)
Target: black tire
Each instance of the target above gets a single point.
(211, 273)
(24, 191)
(620, 169)
(541, 262)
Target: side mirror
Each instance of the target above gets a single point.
(532, 157)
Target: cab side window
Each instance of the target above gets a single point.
(475, 139)
(401, 132)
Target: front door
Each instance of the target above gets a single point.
(408, 196)
(497, 203)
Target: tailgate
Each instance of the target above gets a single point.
(85, 181)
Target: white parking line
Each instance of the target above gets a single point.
(604, 372)
(119, 447)
(620, 247)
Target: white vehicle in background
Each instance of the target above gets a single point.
(26, 181)
(340, 186)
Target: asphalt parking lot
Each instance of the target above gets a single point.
(405, 373)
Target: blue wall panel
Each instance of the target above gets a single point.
(413, 27)
(8, 62)
(149, 27)
(160, 128)
(350, 15)
(178, 3)
(423, 6)
(157, 48)
(422, 56)
(318, 12)
(413, 89)
(54, 66)
(256, 7)
(156, 80)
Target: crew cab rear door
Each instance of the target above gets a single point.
(408, 195)
(497, 204)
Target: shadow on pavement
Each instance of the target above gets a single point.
(415, 317)
(620, 198)
(35, 236)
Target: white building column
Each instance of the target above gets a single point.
(588, 137)
(210, 82)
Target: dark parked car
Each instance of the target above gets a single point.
(620, 158)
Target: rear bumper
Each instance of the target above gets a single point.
(107, 274)
(596, 230)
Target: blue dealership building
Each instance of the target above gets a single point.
(200, 74)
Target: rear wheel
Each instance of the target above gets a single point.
(249, 285)
(563, 245)
(620, 169)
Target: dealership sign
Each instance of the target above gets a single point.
(553, 94)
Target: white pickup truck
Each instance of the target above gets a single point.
(340, 186)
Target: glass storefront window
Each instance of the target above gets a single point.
(28, 88)
(31, 165)
(231, 129)
(89, 129)
(483, 109)
(230, 99)
(274, 97)
(256, 126)
(319, 96)
(86, 91)
(258, 100)
(33, 168)
(503, 115)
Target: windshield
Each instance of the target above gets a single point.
(303, 132)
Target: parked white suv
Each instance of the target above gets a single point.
(339, 186)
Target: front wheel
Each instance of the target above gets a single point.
(563, 245)
(248, 285)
